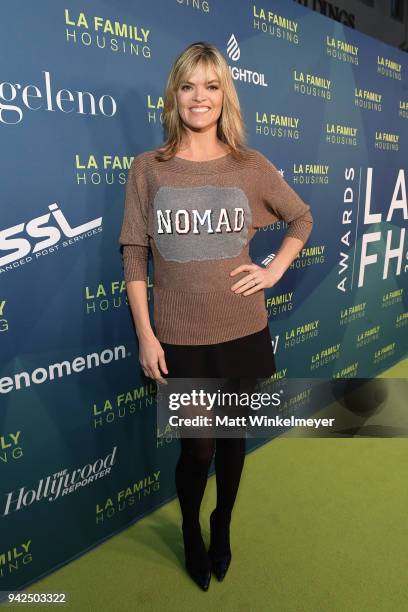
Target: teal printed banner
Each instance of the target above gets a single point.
(81, 455)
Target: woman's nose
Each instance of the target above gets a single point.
(199, 96)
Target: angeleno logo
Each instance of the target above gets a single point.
(242, 74)
(39, 228)
(81, 102)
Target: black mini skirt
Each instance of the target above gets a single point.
(248, 356)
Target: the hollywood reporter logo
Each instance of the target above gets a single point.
(59, 484)
(39, 227)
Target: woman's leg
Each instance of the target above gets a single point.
(229, 462)
(191, 479)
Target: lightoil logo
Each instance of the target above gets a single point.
(242, 74)
(233, 50)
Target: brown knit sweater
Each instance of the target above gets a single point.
(198, 218)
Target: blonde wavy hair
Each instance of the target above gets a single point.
(230, 127)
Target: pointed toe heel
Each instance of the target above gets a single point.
(196, 559)
(220, 566)
(219, 550)
(202, 577)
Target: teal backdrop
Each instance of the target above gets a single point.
(81, 88)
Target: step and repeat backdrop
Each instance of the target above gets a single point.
(81, 89)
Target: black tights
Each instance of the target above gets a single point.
(191, 480)
(192, 472)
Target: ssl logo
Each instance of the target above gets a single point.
(38, 228)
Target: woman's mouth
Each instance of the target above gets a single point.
(199, 109)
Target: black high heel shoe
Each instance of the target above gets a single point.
(198, 566)
(219, 550)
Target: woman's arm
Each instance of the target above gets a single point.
(286, 253)
(267, 277)
(151, 354)
(295, 238)
(279, 201)
(135, 240)
(137, 297)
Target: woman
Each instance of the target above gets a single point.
(196, 203)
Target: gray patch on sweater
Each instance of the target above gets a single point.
(200, 223)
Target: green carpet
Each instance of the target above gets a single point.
(319, 524)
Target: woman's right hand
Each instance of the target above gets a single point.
(152, 359)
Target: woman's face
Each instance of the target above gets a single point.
(195, 94)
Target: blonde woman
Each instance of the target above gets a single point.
(197, 202)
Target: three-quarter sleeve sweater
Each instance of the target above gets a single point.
(198, 218)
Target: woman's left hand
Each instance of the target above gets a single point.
(257, 278)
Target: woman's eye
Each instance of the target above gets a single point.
(183, 87)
